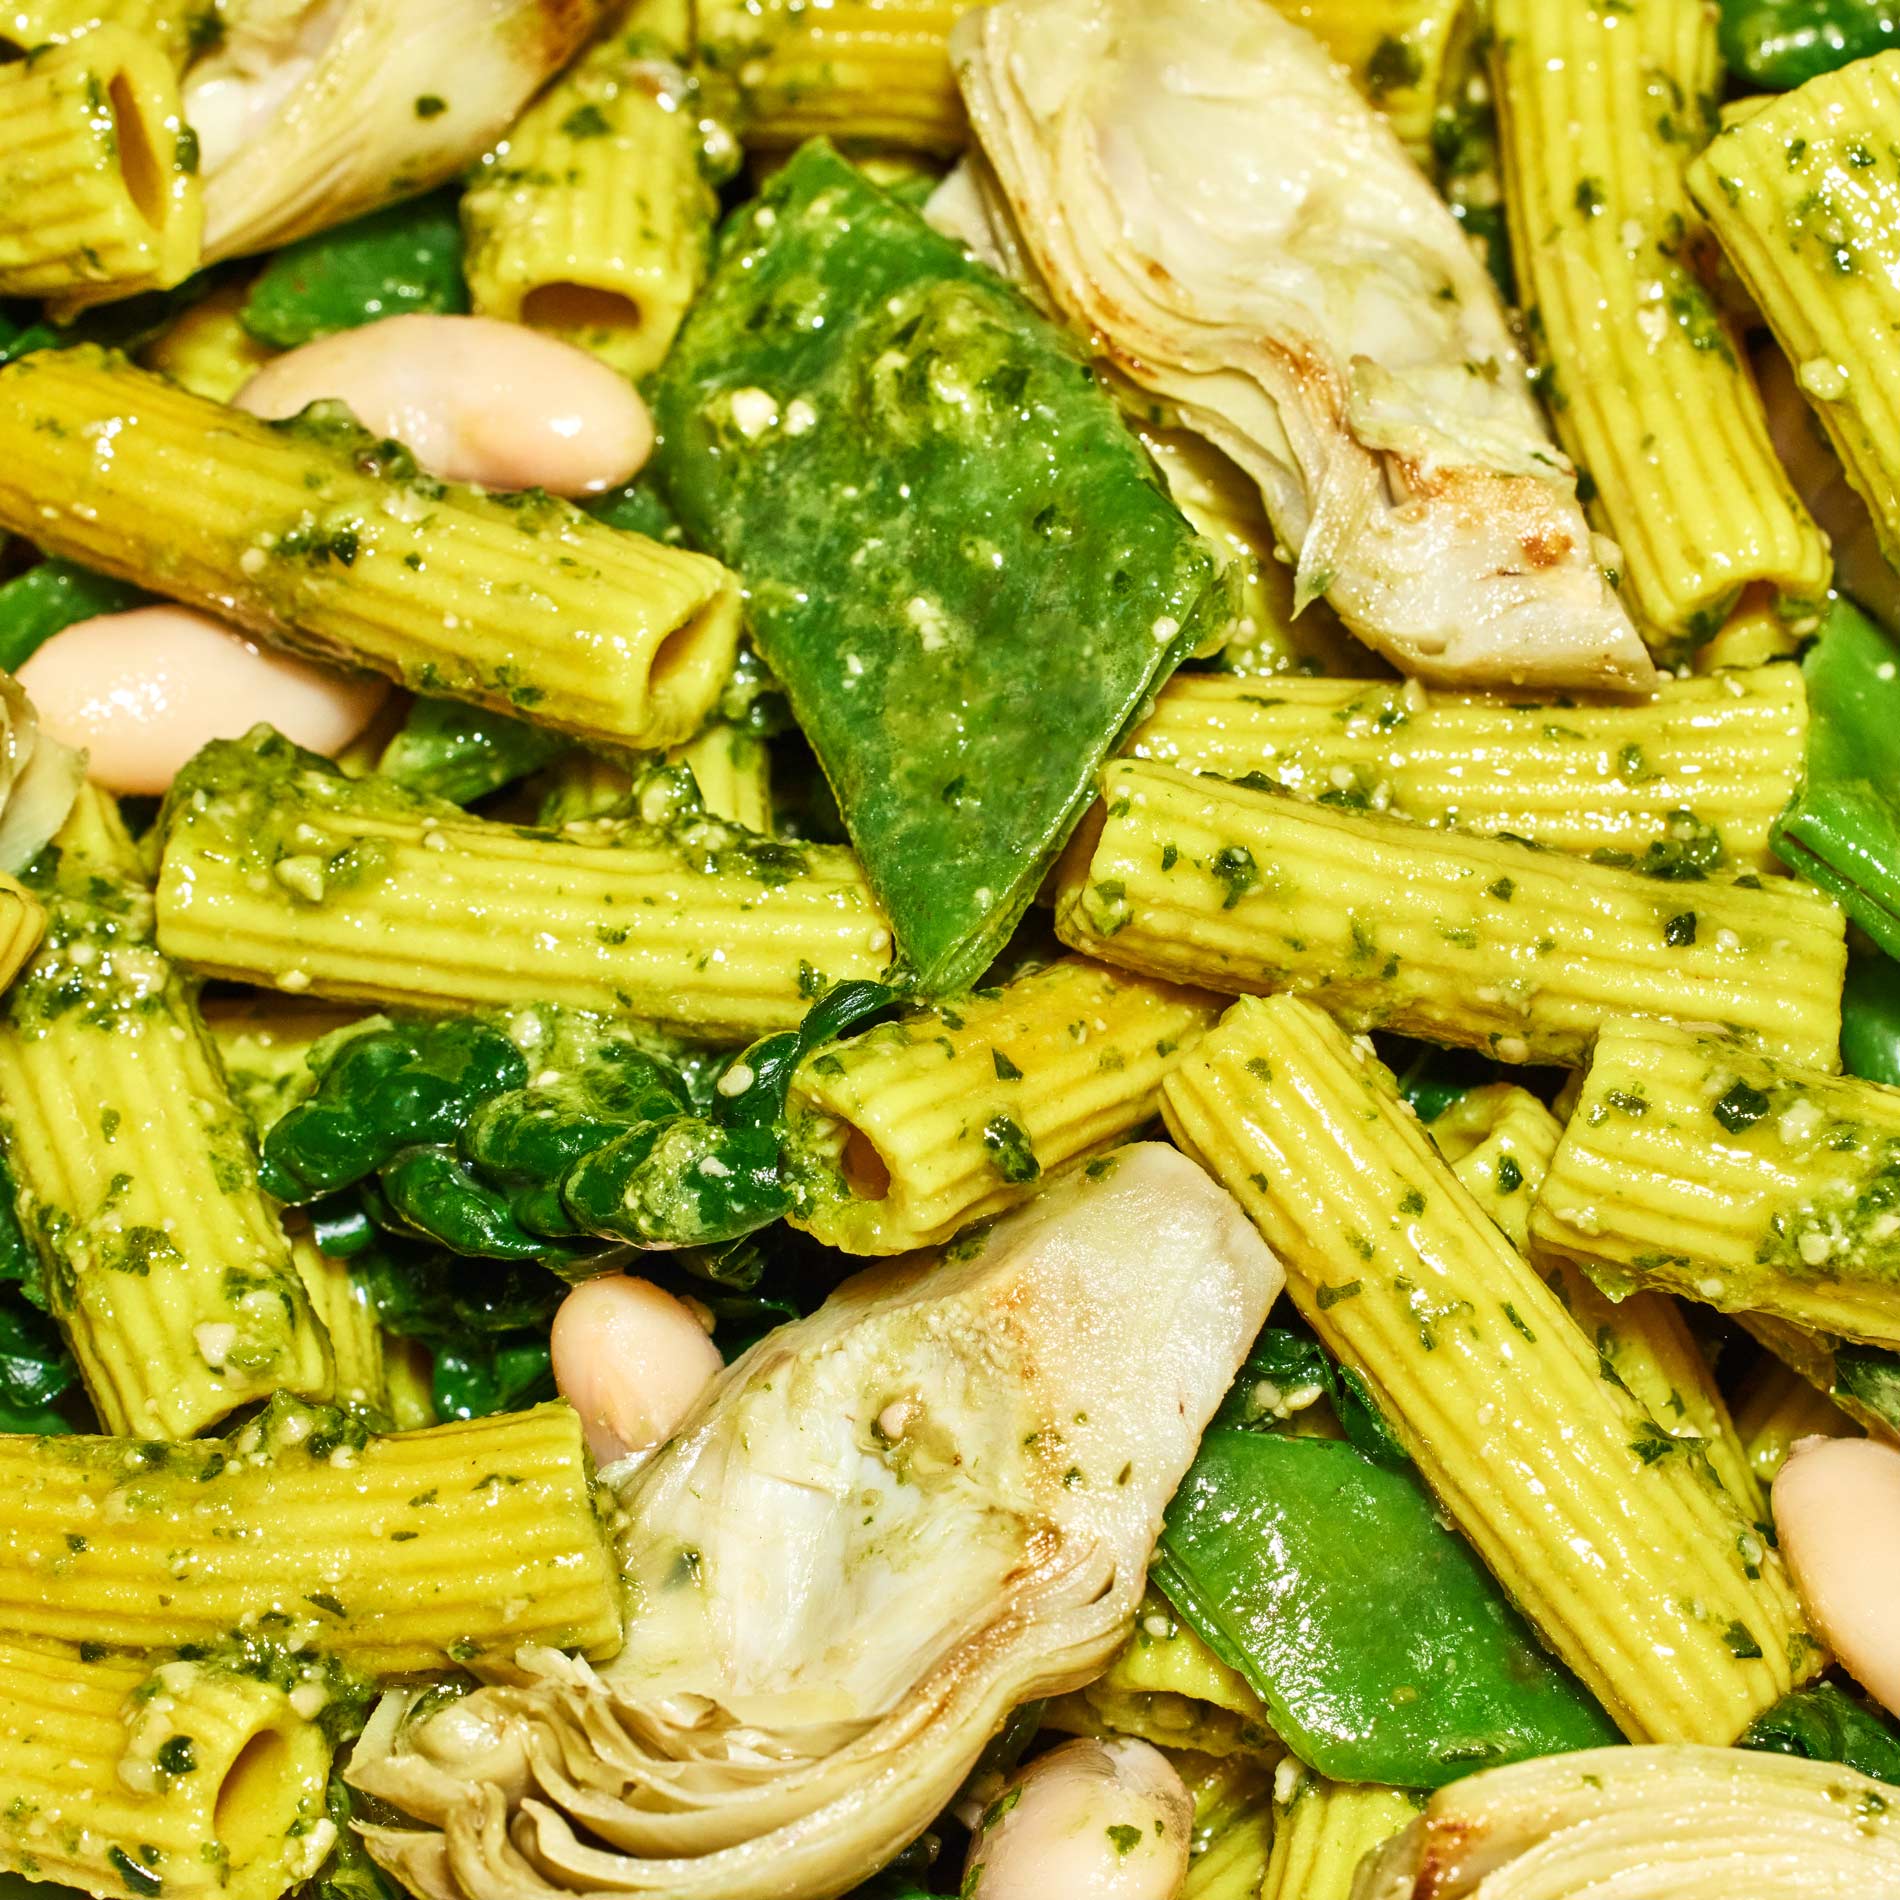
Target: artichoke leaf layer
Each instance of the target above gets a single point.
(1201, 192)
(883, 1528)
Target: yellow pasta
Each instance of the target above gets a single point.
(1705, 1169)
(133, 1170)
(1167, 1687)
(22, 922)
(98, 172)
(1500, 1141)
(1557, 1476)
(1800, 196)
(179, 28)
(913, 1130)
(1702, 769)
(312, 534)
(1814, 1357)
(1484, 942)
(395, 1554)
(206, 349)
(1407, 56)
(1601, 105)
(1774, 1408)
(262, 1042)
(184, 1779)
(1233, 1825)
(346, 1315)
(276, 871)
(1323, 1829)
(594, 220)
(873, 72)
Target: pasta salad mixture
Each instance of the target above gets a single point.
(950, 949)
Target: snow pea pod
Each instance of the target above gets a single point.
(1870, 1020)
(406, 258)
(1842, 830)
(1379, 1642)
(1780, 44)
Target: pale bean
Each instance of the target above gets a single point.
(632, 1360)
(141, 691)
(473, 400)
(1087, 1821)
(1837, 1514)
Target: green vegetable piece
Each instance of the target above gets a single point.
(477, 1382)
(446, 749)
(1377, 1639)
(1821, 1723)
(349, 1873)
(639, 508)
(403, 259)
(1869, 1376)
(1775, 45)
(380, 1091)
(1842, 829)
(1870, 1020)
(127, 325)
(51, 597)
(430, 1190)
(959, 562)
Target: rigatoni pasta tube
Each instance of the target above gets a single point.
(1323, 1829)
(312, 534)
(1484, 942)
(919, 1127)
(184, 1779)
(1601, 104)
(176, 27)
(1406, 56)
(98, 172)
(1816, 1357)
(863, 72)
(206, 348)
(1701, 1167)
(134, 1175)
(1500, 1141)
(343, 1308)
(1621, 1549)
(395, 1554)
(1800, 196)
(594, 221)
(1706, 765)
(276, 870)
(1775, 1407)
(22, 922)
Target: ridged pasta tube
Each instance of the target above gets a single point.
(1777, 1406)
(186, 1779)
(1601, 104)
(356, 1339)
(1705, 762)
(1323, 1829)
(206, 348)
(1708, 1170)
(1500, 1141)
(1625, 1554)
(98, 172)
(870, 72)
(1800, 196)
(395, 1554)
(278, 871)
(22, 922)
(1233, 1825)
(1816, 1357)
(1484, 942)
(262, 1041)
(915, 1129)
(311, 534)
(733, 770)
(134, 1175)
(594, 220)
(177, 27)
(1406, 56)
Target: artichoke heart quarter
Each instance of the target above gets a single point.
(1199, 190)
(1664, 1823)
(883, 1527)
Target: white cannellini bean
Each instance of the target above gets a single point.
(473, 400)
(143, 690)
(632, 1360)
(1837, 1514)
(1087, 1821)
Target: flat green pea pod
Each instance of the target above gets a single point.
(1377, 1639)
(1870, 1020)
(405, 258)
(1779, 44)
(382, 1090)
